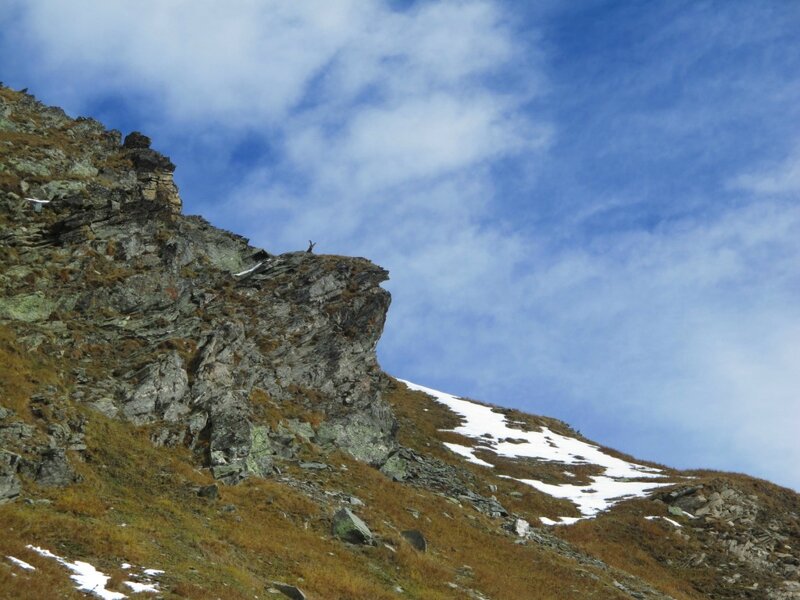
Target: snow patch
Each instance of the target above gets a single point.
(468, 453)
(86, 577)
(670, 521)
(620, 479)
(21, 563)
(139, 588)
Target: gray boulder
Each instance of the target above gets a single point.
(290, 591)
(9, 483)
(416, 539)
(350, 528)
(161, 392)
(54, 469)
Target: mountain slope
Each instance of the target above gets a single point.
(175, 399)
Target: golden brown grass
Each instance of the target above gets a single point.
(137, 503)
(23, 373)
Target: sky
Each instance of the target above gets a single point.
(589, 210)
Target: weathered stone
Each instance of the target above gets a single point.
(27, 307)
(416, 539)
(300, 429)
(161, 392)
(350, 528)
(54, 469)
(290, 591)
(427, 472)
(259, 459)
(9, 483)
(136, 139)
(60, 189)
(521, 527)
(676, 511)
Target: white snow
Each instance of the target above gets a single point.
(250, 270)
(21, 563)
(467, 453)
(654, 517)
(153, 572)
(493, 432)
(560, 521)
(139, 588)
(37, 201)
(87, 578)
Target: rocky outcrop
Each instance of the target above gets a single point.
(230, 350)
(411, 467)
(153, 171)
(736, 530)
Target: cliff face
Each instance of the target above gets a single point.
(146, 357)
(199, 334)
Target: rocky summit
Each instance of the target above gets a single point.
(183, 415)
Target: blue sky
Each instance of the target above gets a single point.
(589, 209)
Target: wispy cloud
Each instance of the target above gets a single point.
(780, 178)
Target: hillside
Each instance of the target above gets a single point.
(183, 415)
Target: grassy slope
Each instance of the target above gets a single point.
(138, 504)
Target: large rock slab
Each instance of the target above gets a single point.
(350, 528)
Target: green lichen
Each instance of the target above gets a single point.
(27, 307)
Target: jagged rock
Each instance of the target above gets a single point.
(416, 539)
(260, 457)
(9, 482)
(298, 428)
(365, 435)
(350, 528)
(15, 433)
(290, 591)
(520, 527)
(136, 140)
(161, 392)
(408, 466)
(54, 469)
(27, 307)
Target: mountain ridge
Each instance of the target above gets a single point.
(244, 389)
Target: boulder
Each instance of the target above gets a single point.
(290, 591)
(54, 469)
(416, 539)
(348, 527)
(521, 527)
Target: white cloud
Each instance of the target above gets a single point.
(783, 177)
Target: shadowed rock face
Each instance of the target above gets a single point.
(208, 322)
